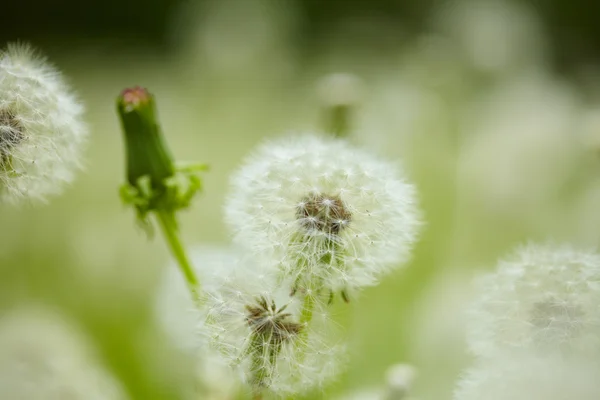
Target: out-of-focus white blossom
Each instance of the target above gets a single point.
(44, 357)
(41, 127)
(327, 214)
(542, 298)
(399, 381)
(526, 377)
(340, 89)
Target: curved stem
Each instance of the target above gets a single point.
(168, 224)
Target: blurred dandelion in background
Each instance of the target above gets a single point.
(44, 356)
(522, 376)
(542, 298)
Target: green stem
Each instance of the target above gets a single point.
(338, 120)
(169, 227)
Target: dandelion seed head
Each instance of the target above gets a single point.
(523, 376)
(259, 333)
(42, 132)
(324, 211)
(543, 297)
(249, 322)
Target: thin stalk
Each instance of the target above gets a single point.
(168, 225)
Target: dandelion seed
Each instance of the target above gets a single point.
(331, 216)
(43, 357)
(41, 128)
(543, 298)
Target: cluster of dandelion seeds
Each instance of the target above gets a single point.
(328, 215)
(41, 127)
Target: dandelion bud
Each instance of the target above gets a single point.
(340, 94)
(43, 357)
(331, 217)
(252, 324)
(542, 298)
(523, 376)
(41, 127)
(147, 153)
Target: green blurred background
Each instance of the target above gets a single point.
(490, 105)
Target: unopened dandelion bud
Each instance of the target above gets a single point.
(340, 95)
(542, 298)
(330, 217)
(42, 132)
(154, 181)
(147, 153)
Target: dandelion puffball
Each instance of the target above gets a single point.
(44, 357)
(41, 128)
(249, 323)
(542, 298)
(327, 214)
(526, 377)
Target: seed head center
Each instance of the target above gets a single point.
(325, 213)
(272, 323)
(11, 133)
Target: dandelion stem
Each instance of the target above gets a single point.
(170, 230)
(154, 182)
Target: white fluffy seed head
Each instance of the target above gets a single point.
(240, 300)
(44, 357)
(542, 298)
(526, 377)
(325, 213)
(41, 127)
